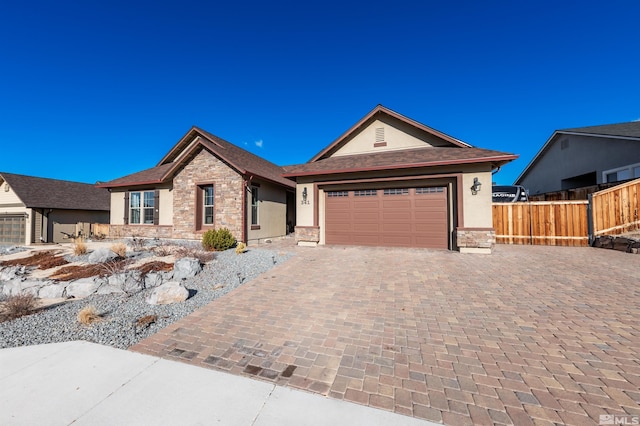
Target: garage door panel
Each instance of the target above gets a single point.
(12, 229)
(409, 219)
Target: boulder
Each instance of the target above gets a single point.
(153, 279)
(186, 267)
(11, 272)
(109, 289)
(52, 290)
(129, 282)
(101, 255)
(18, 286)
(171, 292)
(83, 287)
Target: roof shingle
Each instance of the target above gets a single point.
(37, 192)
(631, 129)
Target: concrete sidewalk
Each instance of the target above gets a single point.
(89, 384)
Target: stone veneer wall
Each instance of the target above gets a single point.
(307, 234)
(145, 231)
(476, 238)
(228, 193)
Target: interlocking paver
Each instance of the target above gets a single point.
(527, 335)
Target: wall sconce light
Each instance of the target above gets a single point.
(304, 196)
(476, 186)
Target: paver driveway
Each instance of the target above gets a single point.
(527, 335)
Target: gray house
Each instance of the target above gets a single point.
(584, 156)
(34, 209)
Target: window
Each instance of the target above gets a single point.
(365, 193)
(254, 205)
(207, 201)
(622, 173)
(429, 190)
(396, 191)
(338, 194)
(141, 207)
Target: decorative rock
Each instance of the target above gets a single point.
(109, 289)
(167, 293)
(152, 279)
(11, 272)
(83, 287)
(186, 267)
(130, 282)
(17, 286)
(52, 291)
(101, 255)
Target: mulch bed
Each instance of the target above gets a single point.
(42, 259)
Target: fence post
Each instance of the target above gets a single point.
(590, 219)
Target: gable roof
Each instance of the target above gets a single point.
(37, 192)
(372, 116)
(410, 158)
(242, 161)
(629, 131)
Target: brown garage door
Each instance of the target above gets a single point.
(12, 229)
(403, 217)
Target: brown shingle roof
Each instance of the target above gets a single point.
(36, 192)
(241, 160)
(402, 159)
(631, 129)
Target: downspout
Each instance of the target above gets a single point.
(244, 208)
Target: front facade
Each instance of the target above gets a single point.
(391, 181)
(40, 210)
(203, 183)
(582, 157)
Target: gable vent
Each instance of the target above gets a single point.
(379, 138)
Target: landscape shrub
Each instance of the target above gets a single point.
(218, 239)
(241, 248)
(120, 249)
(79, 247)
(88, 315)
(17, 306)
(137, 243)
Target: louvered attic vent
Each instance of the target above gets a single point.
(379, 138)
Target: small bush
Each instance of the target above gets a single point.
(79, 247)
(88, 315)
(218, 239)
(18, 306)
(120, 249)
(241, 248)
(164, 249)
(137, 243)
(200, 254)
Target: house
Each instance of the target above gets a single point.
(584, 156)
(34, 209)
(391, 181)
(202, 183)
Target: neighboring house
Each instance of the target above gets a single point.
(585, 156)
(391, 181)
(34, 209)
(203, 183)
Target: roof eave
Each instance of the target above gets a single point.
(125, 184)
(498, 160)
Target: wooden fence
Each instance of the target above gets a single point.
(556, 223)
(613, 211)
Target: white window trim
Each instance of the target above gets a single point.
(142, 208)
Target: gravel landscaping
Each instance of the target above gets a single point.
(120, 326)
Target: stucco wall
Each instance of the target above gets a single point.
(272, 212)
(166, 205)
(477, 208)
(397, 135)
(581, 155)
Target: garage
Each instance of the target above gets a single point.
(12, 229)
(392, 217)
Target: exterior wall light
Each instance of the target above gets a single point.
(476, 186)
(304, 196)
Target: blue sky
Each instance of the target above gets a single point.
(91, 92)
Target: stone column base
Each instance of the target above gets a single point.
(307, 235)
(475, 240)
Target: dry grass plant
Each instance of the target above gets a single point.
(200, 254)
(17, 306)
(137, 243)
(164, 249)
(113, 267)
(120, 249)
(146, 321)
(241, 248)
(88, 315)
(79, 247)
